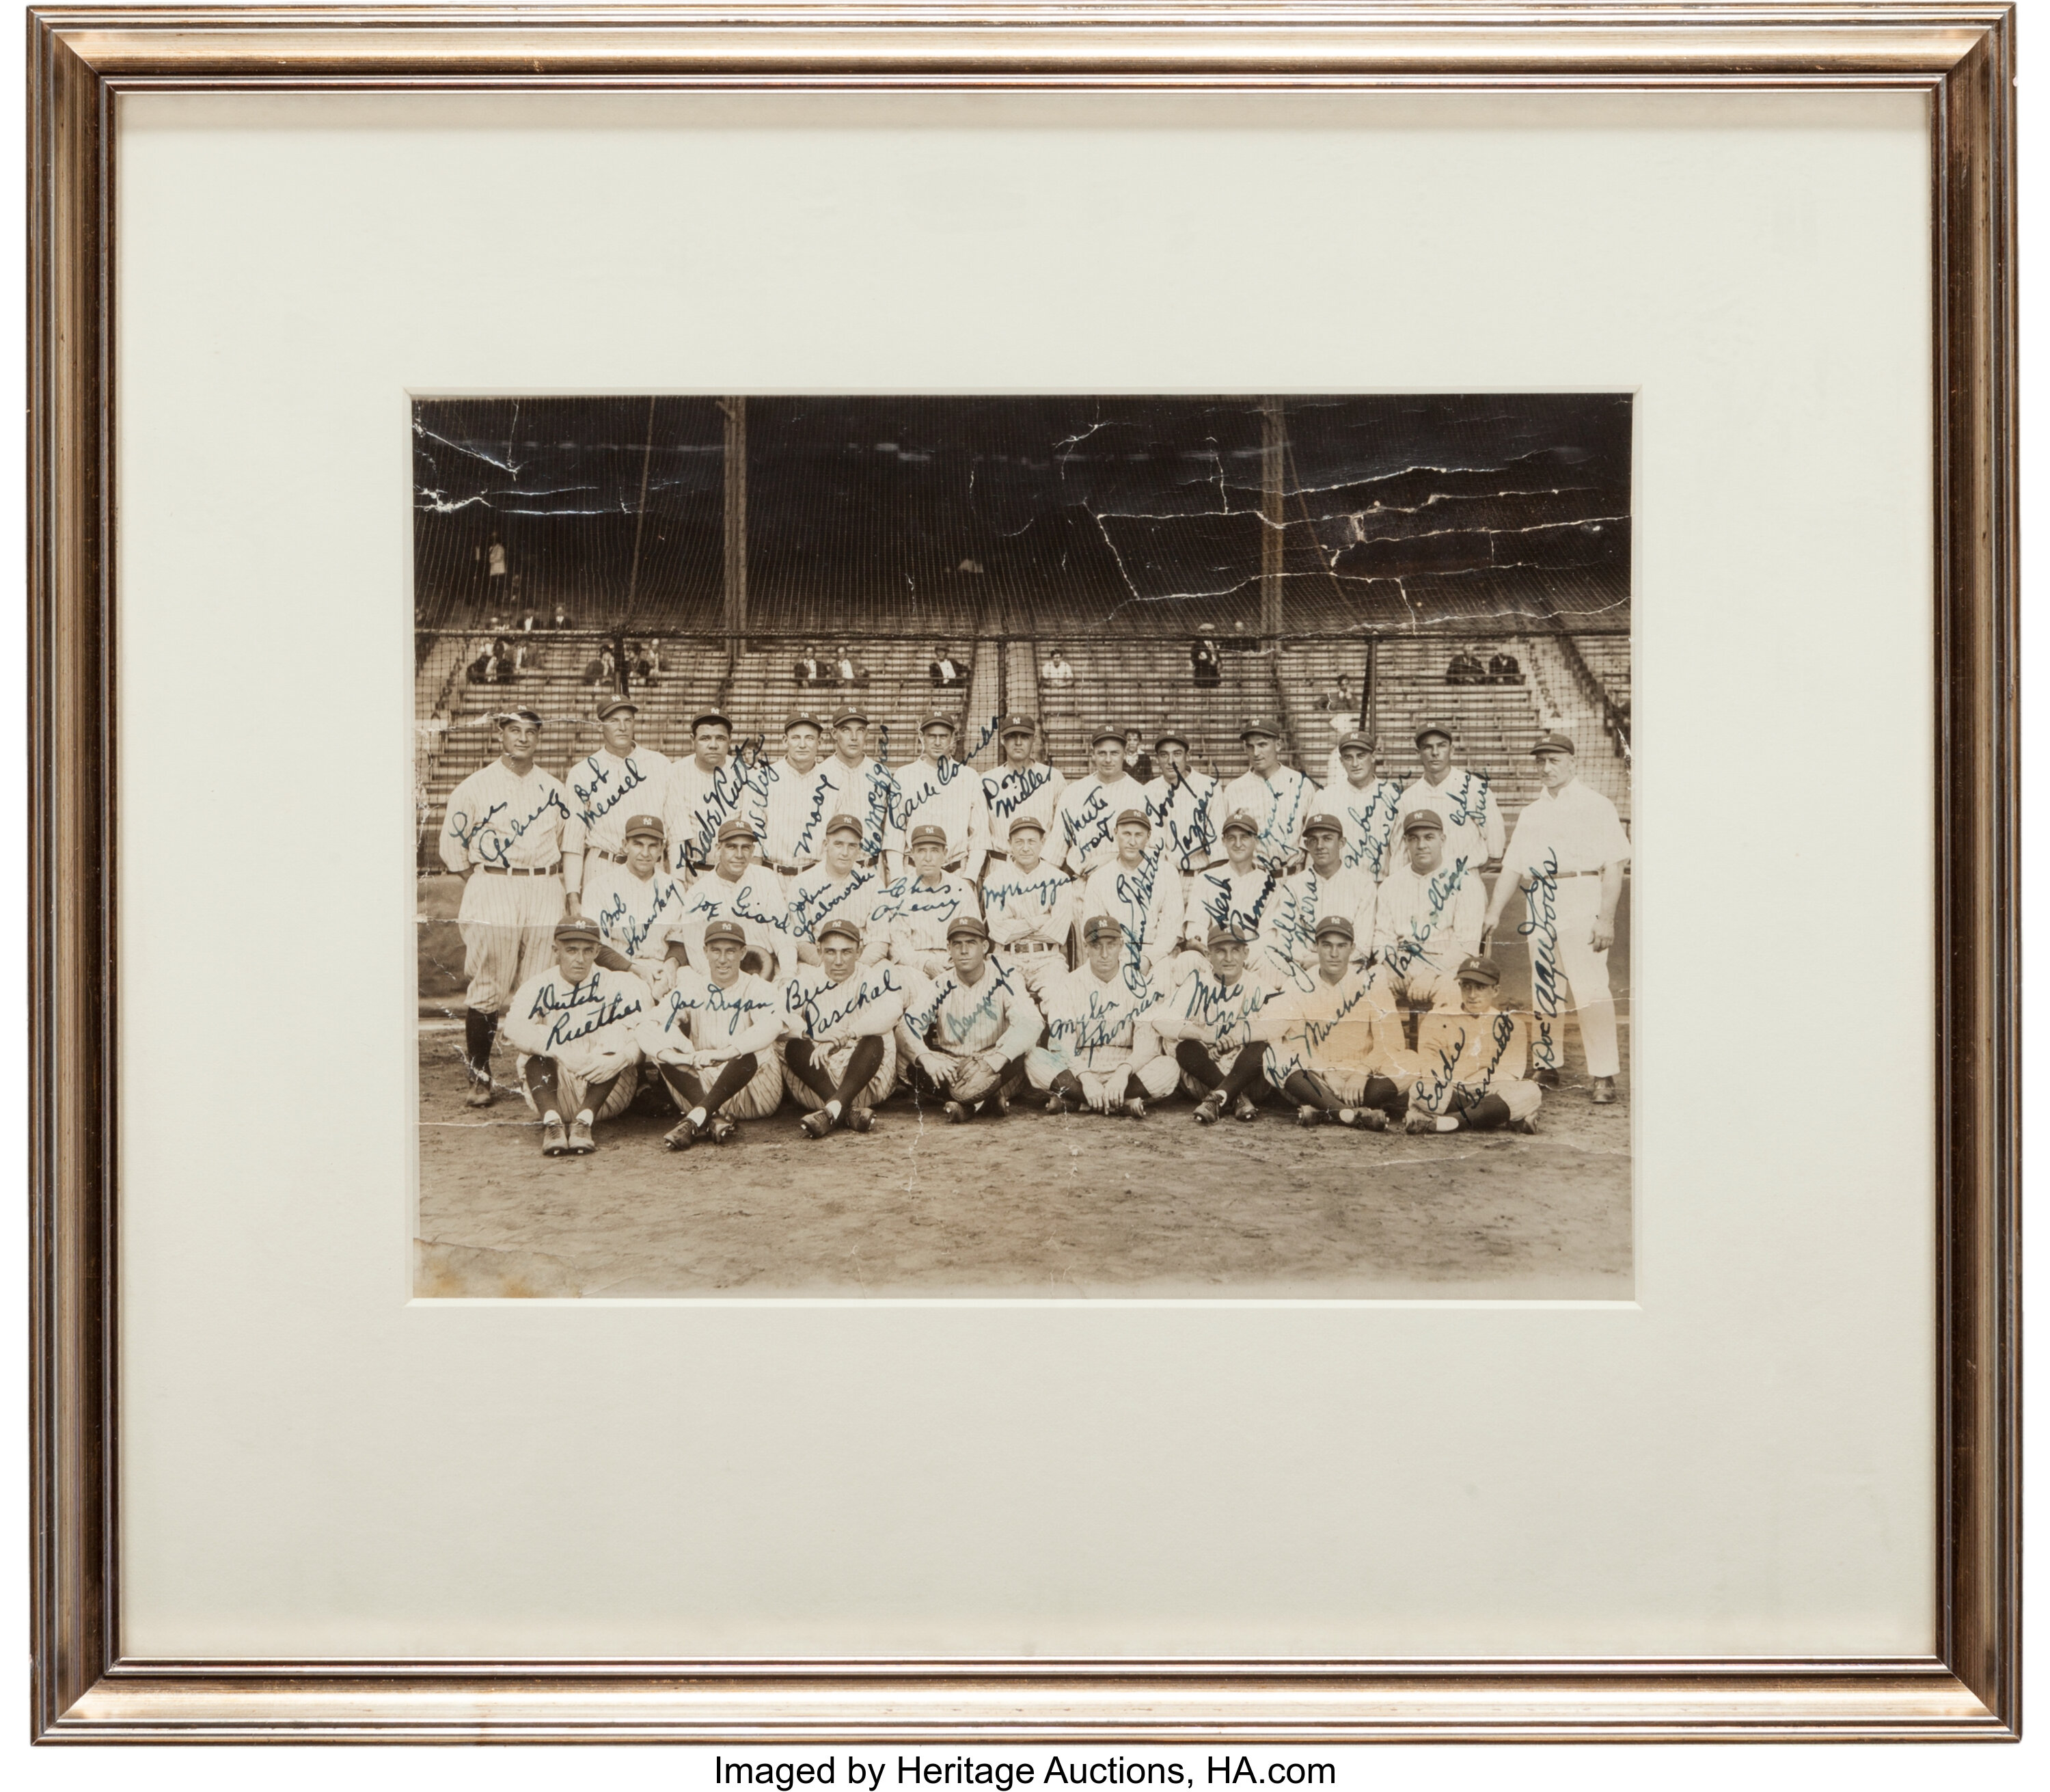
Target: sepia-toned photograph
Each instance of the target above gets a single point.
(1033, 848)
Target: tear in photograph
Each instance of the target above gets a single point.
(1030, 847)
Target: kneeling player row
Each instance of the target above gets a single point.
(840, 1037)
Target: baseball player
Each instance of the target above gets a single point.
(1427, 918)
(1021, 786)
(936, 790)
(1243, 895)
(841, 1015)
(1186, 806)
(795, 803)
(639, 909)
(1462, 799)
(1327, 886)
(711, 1040)
(1567, 857)
(575, 1027)
(621, 778)
(1085, 817)
(1365, 803)
(1276, 796)
(703, 794)
(1101, 1053)
(1208, 1021)
(1030, 907)
(1322, 1053)
(1137, 890)
(511, 833)
(1473, 1062)
(862, 789)
(964, 1035)
(735, 889)
(919, 908)
(839, 889)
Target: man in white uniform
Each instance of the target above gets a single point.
(841, 1058)
(1030, 907)
(1364, 803)
(936, 790)
(511, 834)
(1325, 887)
(1461, 799)
(1085, 818)
(575, 1026)
(735, 889)
(861, 788)
(1137, 890)
(1276, 796)
(1022, 785)
(964, 1035)
(918, 909)
(1427, 918)
(1243, 895)
(1101, 1053)
(1208, 1022)
(1473, 1062)
(711, 1040)
(704, 793)
(1322, 1053)
(622, 777)
(1186, 806)
(796, 804)
(837, 889)
(640, 908)
(1567, 858)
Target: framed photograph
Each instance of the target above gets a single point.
(957, 993)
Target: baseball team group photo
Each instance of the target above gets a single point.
(1068, 847)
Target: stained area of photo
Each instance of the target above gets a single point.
(1347, 565)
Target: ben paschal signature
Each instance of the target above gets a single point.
(821, 1016)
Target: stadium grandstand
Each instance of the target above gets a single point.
(691, 551)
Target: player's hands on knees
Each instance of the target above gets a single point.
(937, 1067)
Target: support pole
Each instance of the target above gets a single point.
(1273, 462)
(640, 523)
(735, 412)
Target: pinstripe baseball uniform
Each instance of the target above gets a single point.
(1467, 806)
(1311, 896)
(1221, 1015)
(1145, 901)
(1029, 914)
(755, 900)
(1012, 792)
(1280, 804)
(605, 789)
(516, 831)
(700, 1016)
(696, 803)
(796, 807)
(866, 791)
(1424, 925)
(992, 1017)
(1259, 903)
(1468, 1055)
(834, 1016)
(916, 914)
(1368, 813)
(591, 1030)
(1328, 1029)
(1086, 819)
(1100, 1030)
(1186, 815)
(948, 795)
(818, 896)
(638, 916)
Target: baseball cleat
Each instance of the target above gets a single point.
(680, 1136)
(957, 1115)
(1058, 1102)
(861, 1119)
(1243, 1109)
(999, 1105)
(554, 1142)
(582, 1144)
(721, 1129)
(818, 1125)
(1602, 1091)
(1306, 1116)
(1420, 1123)
(1526, 1126)
(1545, 1079)
(1371, 1120)
(1208, 1111)
(1135, 1109)
(481, 1094)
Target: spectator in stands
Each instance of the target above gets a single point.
(847, 670)
(492, 667)
(1205, 666)
(1138, 762)
(1057, 672)
(522, 656)
(1339, 699)
(602, 671)
(1464, 668)
(1503, 668)
(810, 670)
(946, 672)
(528, 623)
(561, 618)
(645, 661)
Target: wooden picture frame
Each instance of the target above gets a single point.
(81, 61)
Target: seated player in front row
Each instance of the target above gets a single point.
(922, 904)
(1030, 907)
(1475, 1074)
(710, 1039)
(1101, 1052)
(1322, 1054)
(840, 1059)
(1209, 1020)
(1135, 892)
(639, 905)
(575, 1027)
(964, 1034)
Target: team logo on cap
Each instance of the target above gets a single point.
(1477, 971)
(724, 929)
(734, 829)
(1135, 818)
(1038, 827)
(847, 930)
(925, 833)
(1427, 726)
(1423, 821)
(644, 827)
(1109, 730)
(811, 722)
(1333, 924)
(844, 823)
(1240, 820)
(971, 925)
(1554, 743)
(1259, 727)
(1222, 934)
(846, 718)
(576, 927)
(1101, 926)
(1322, 824)
(1016, 725)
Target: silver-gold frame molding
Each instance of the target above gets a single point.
(1961, 56)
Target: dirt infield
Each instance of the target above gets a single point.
(1029, 1206)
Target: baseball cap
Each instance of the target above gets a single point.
(946, 722)
(1101, 926)
(576, 927)
(1554, 743)
(847, 930)
(644, 826)
(1259, 724)
(1332, 923)
(1429, 727)
(1133, 818)
(1423, 821)
(612, 706)
(1036, 825)
(843, 717)
(1477, 971)
(1108, 731)
(844, 823)
(699, 721)
(530, 717)
(927, 831)
(970, 924)
(1240, 820)
(735, 829)
(1356, 738)
(1016, 725)
(1322, 824)
(1222, 935)
(724, 929)
(1170, 737)
(804, 721)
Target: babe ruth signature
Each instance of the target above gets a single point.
(495, 847)
(596, 811)
(600, 1011)
(729, 785)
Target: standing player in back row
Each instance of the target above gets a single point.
(862, 789)
(1187, 806)
(1276, 796)
(795, 804)
(621, 778)
(1462, 799)
(1086, 818)
(1364, 803)
(510, 833)
(704, 793)
(1021, 786)
(936, 790)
